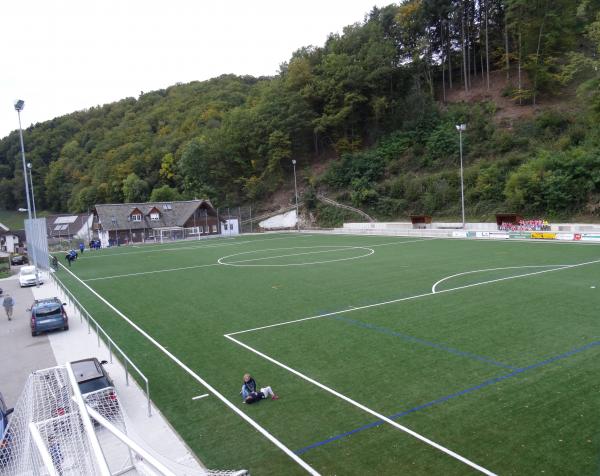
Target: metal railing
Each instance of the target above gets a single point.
(112, 346)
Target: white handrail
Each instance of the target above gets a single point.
(39, 443)
(151, 460)
(110, 343)
(87, 424)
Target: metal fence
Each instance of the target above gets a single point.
(101, 333)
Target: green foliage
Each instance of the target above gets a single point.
(557, 184)
(165, 194)
(135, 189)
(442, 145)
(356, 170)
(367, 96)
(330, 217)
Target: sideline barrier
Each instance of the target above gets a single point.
(101, 333)
(472, 230)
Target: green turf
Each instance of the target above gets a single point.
(498, 366)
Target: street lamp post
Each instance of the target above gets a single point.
(19, 105)
(461, 128)
(32, 194)
(296, 194)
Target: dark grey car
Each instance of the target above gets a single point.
(93, 379)
(47, 315)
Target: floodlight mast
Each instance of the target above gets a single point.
(296, 194)
(461, 128)
(19, 105)
(29, 166)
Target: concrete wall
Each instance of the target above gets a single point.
(560, 232)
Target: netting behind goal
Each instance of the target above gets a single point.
(50, 434)
(201, 232)
(46, 407)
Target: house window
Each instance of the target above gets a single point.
(136, 217)
(167, 206)
(154, 216)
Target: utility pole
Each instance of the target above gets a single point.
(461, 128)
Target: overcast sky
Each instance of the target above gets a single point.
(66, 55)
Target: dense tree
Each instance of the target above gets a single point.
(375, 85)
(134, 189)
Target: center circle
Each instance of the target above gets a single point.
(246, 258)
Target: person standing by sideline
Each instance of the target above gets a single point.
(8, 302)
(81, 247)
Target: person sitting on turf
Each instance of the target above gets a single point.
(249, 393)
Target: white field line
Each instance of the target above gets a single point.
(203, 382)
(494, 269)
(212, 245)
(161, 247)
(366, 409)
(200, 396)
(151, 272)
(403, 242)
(337, 248)
(233, 263)
(409, 298)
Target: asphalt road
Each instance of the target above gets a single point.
(20, 353)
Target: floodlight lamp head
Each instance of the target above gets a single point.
(461, 127)
(293, 161)
(19, 105)
(29, 165)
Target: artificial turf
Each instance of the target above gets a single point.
(498, 366)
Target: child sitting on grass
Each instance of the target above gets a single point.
(249, 393)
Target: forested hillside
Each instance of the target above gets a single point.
(369, 116)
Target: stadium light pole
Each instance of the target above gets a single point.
(29, 166)
(296, 194)
(461, 128)
(19, 105)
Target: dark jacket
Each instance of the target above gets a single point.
(248, 388)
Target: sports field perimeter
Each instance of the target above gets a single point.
(391, 355)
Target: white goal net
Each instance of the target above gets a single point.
(46, 423)
(56, 431)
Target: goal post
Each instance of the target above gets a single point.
(55, 430)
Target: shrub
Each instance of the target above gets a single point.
(442, 144)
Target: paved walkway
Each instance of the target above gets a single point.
(20, 354)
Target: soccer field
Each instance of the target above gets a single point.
(391, 355)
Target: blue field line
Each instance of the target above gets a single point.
(417, 340)
(445, 398)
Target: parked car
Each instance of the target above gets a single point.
(28, 275)
(4, 434)
(47, 315)
(18, 260)
(93, 378)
